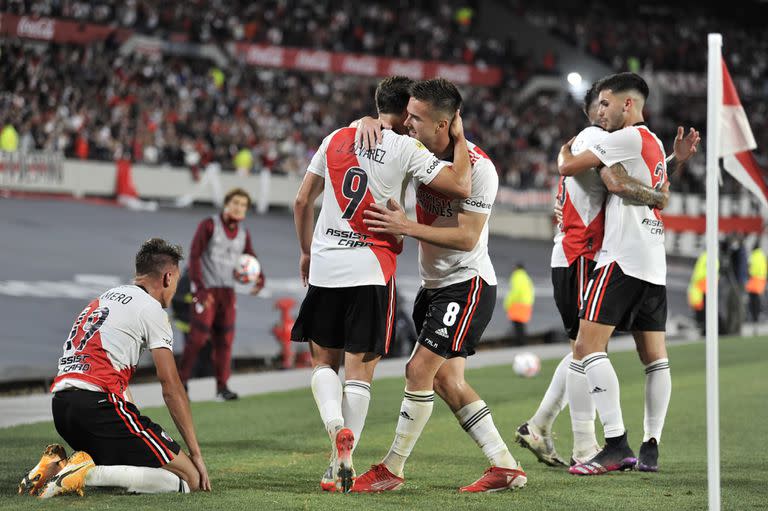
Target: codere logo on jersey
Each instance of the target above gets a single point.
(477, 203)
(432, 167)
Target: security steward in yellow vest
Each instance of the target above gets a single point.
(758, 270)
(519, 301)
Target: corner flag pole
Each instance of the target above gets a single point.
(714, 109)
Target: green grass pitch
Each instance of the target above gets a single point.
(268, 452)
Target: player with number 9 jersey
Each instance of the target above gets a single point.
(344, 251)
(352, 266)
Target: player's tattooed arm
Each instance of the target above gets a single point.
(622, 184)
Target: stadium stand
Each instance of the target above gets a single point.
(95, 102)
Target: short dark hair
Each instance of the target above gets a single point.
(591, 95)
(237, 192)
(155, 255)
(392, 94)
(440, 93)
(623, 82)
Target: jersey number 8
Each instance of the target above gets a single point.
(451, 312)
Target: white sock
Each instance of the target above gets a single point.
(604, 388)
(414, 414)
(326, 387)
(582, 409)
(658, 390)
(554, 399)
(476, 420)
(136, 479)
(354, 406)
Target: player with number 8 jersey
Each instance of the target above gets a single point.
(349, 309)
(453, 306)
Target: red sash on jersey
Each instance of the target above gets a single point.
(341, 158)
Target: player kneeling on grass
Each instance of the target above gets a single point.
(92, 410)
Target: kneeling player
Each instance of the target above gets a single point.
(92, 410)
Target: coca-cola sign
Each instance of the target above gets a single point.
(41, 28)
(355, 64)
(59, 30)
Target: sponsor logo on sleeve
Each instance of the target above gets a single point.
(599, 149)
(477, 203)
(433, 165)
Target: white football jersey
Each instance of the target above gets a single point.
(441, 267)
(634, 234)
(108, 337)
(345, 252)
(583, 200)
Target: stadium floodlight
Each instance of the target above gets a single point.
(574, 78)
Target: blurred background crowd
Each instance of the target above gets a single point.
(95, 102)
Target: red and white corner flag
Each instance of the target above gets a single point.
(737, 142)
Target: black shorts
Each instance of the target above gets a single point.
(569, 284)
(450, 320)
(359, 319)
(628, 303)
(111, 430)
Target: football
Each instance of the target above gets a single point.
(247, 269)
(526, 364)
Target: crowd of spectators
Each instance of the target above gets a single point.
(660, 36)
(93, 102)
(419, 29)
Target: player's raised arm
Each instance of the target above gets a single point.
(178, 406)
(569, 164)
(456, 180)
(303, 216)
(368, 132)
(684, 148)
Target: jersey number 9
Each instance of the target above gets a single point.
(353, 188)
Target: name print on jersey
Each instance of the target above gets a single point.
(375, 154)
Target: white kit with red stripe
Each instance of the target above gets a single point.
(440, 267)
(345, 252)
(583, 200)
(107, 339)
(634, 233)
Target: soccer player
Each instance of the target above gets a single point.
(581, 200)
(92, 409)
(627, 289)
(349, 310)
(219, 241)
(454, 304)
